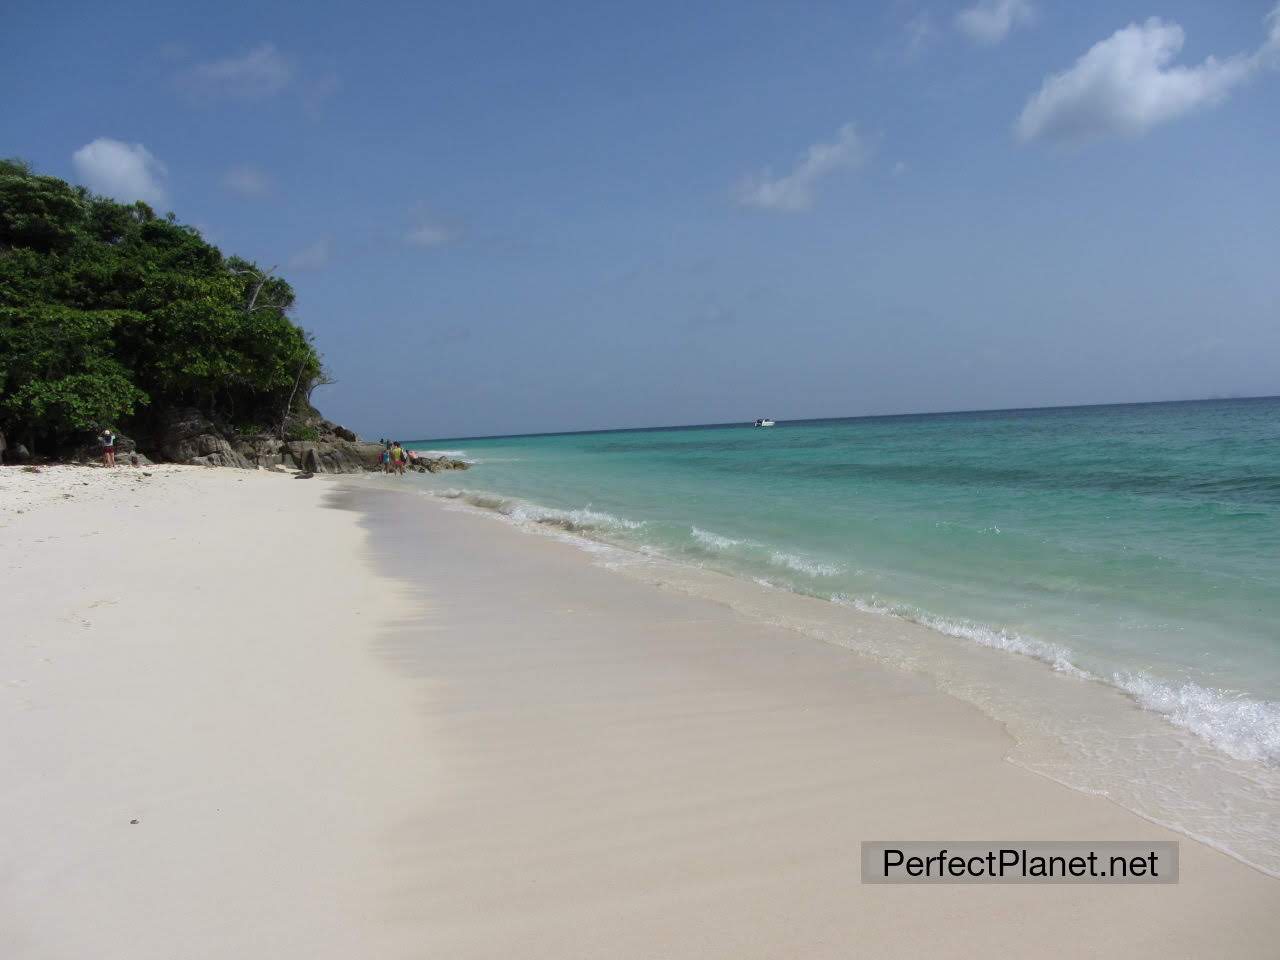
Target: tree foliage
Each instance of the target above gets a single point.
(110, 314)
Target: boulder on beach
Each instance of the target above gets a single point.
(331, 456)
(187, 436)
(436, 464)
(91, 451)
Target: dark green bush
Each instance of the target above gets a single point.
(110, 314)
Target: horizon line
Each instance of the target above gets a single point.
(868, 416)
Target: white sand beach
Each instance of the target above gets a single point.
(194, 650)
(354, 722)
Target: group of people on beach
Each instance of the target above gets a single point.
(394, 457)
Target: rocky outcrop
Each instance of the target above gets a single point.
(187, 436)
(260, 451)
(331, 456)
(436, 464)
(91, 452)
(126, 452)
(342, 456)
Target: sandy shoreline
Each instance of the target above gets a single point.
(395, 729)
(190, 649)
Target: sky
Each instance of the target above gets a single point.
(519, 217)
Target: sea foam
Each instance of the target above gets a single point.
(806, 565)
(996, 638)
(522, 511)
(1239, 725)
(713, 541)
(751, 549)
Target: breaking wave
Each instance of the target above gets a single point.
(713, 541)
(1239, 725)
(521, 511)
(997, 638)
(798, 564)
(752, 550)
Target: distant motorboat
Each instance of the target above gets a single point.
(765, 422)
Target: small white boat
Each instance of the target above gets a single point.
(765, 422)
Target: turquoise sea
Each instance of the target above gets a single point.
(1135, 547)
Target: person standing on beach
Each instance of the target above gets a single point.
(397, 458)
(386, 456)
(108, 441)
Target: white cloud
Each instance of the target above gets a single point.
(260, 73)
(1126, 84)
(794, 192)
(248, 181)
(125, 171)
(989, 21)
(428, 235)
(312, 257)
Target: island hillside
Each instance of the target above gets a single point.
(112, 316)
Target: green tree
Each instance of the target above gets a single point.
(41, 213)
(57, 374)
(109, 313)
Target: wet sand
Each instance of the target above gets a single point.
(633, 772)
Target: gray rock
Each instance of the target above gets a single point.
(187, 436)
(436, 464)
(369, 454)
(335, 456)
(261, 451)
(91, 452)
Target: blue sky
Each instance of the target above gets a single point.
(521, 217)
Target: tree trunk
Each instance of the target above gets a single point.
(289, 406)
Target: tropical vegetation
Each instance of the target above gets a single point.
(111, 314)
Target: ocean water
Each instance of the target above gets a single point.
(1118, 567)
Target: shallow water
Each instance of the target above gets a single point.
(1135, 547)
